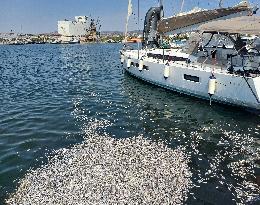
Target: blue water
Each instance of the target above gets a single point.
(49, 92)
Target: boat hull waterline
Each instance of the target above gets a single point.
(231, 90)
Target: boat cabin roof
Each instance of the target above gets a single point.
(239, 25)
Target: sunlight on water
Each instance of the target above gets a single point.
(60, 101)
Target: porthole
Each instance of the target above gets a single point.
(146, 67)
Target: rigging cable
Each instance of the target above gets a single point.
(246, 79)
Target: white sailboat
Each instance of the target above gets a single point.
(215, 64)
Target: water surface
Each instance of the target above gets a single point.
(49, 94)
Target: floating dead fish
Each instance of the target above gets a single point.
(104, 170)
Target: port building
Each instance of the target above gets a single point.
(79, 27)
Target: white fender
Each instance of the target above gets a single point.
(141, 64)
(122, 59)
(212, 85)
(129, 62)
(166, 73)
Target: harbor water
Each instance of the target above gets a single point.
(51, 93)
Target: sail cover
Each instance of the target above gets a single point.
(241, 25)
(190, 19)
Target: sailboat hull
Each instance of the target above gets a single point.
(193, 81)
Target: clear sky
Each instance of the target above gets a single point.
(40, 16)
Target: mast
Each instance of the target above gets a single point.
(182, 5)
(161, 5)
(160, 2)
(138, 19)
(220, 3)
(161, 16)
(129, 13)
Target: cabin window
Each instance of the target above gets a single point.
(132, 64)
(137, 65)
(214, 54)
(165, 57)
(192, 78)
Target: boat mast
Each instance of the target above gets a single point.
(129, 13)
(160, 2)
(161, 5)
(182, 5)
(220, 3)
(138, 19)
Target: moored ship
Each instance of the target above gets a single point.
(215, 64)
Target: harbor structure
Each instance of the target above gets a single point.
(83, 29)
(79, 27)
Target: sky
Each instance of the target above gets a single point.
(41, 16)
